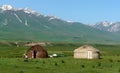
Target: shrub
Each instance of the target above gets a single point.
(55, 64)
(63, 61)
(110, 60)
(83, 66)
(119, 70)
(118, 60)
(93, 66)
(25, 60)
(37, 67)
(43, 62)
(21, 72)
(99, 64)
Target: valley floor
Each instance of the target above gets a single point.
(11, 60)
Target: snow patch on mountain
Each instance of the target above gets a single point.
(6, 7)
(26, 23)
(26, 10)
(47, 27)
(104, 23)
(52, 17)
(29, 11)
(5, 22)
(69, 21)
(108, 26)
(115, 27)
(18, 17)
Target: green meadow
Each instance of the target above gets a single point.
(12, 61)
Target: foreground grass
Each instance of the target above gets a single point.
(59, 65)
(11, 60)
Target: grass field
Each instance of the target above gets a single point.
(11, 60)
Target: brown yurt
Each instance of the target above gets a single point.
(86, 52)
(36, 51)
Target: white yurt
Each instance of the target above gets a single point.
(86, 52)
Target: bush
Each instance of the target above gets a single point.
(83, 66)
(118, 60)
(93, 66)
(110, 60)
(99, 64)
(21, 72)
(63, 61)
(25, 60)
(43, 62)
(119, 70)
(55, 64)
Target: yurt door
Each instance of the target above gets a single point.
(35, 53)
(90, 55)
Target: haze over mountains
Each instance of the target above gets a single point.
(17, 24)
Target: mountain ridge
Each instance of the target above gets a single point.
(108, 26)
(25, 25)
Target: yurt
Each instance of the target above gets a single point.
(86, 52)
(36, 51)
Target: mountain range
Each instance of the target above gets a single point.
(108, 26)
(24, 24)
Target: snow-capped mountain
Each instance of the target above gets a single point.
(6, 7)
(25, 24)
(21, 14)
(104, 24)
(108, 26)
(10, 8)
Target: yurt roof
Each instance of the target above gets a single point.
(36, 47)
(86, 48)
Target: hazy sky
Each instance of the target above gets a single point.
(85, 11)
